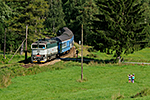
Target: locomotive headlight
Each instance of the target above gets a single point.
(33, 58)
(43, 57)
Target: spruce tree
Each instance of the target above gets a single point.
(79, 12)
(5, 14)
(119, 27)
(26, 12)
(55, 16)
(146, 6)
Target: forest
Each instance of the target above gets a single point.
(120, 26)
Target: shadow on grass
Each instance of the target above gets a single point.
(85, 60)
(25, 62)
(142, 93)
(88, 60)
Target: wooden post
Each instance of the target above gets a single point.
(82, 52)
(5, 43)
(21, 49)
(53, 16)
(26, 44)
(17, 50)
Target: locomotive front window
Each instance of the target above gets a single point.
(42, 46)
(34, 46)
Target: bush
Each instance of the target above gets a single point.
(2, 60)
(5, 79)
(92, 50)
(92, 55)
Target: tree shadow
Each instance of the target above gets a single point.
(85, 60)
(25, 61)
(88, 60)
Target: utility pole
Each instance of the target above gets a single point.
(82, 52)
(5, 43)
(26, 44)
(52, 7)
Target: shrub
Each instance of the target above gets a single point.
(5, 79)
(2, 60)
(92, 55)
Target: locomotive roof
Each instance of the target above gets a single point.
(45, 41)
(67, 34)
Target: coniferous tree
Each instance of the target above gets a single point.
(5, 14)
(1, 36)
(79, 12)
(120, 26)
(55, 16)
(26, 12)
(146, 6)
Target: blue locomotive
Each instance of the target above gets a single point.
(47, 49)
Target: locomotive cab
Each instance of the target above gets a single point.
(38, 52)
(44, 50)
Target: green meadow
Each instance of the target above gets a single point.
(138, 56)
(62, 81)
(101, 81)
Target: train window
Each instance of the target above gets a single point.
(48, 46)
(34, 46)
(64, 45)
(42, 46)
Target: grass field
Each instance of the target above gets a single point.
(10, 59)
(101, 82)
(138, 56)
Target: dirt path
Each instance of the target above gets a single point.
(50, 62)
(141, 63)
(70, 54)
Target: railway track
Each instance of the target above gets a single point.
(51, 62)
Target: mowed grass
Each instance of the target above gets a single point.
(138, 56)
(101, 82)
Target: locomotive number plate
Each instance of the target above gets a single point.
(38, 55)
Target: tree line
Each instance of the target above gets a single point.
(120, 26)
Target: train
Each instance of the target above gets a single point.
(48, 49)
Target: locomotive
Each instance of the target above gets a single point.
(47, 49)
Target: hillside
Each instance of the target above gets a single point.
(138, 56)
(101, 81)
(62, 80)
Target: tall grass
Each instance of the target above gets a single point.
(14, 60)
